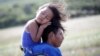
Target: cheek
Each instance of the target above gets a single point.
(60, 37)
(57, 42)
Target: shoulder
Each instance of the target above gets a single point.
(30, 24)
(47, 49)
(41, 46)
(46, 46)
(51, 50)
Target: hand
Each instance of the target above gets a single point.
(43, 26)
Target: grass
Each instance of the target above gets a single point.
(81, 38)
(10, 41)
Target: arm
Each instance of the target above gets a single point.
(40, 31)
(36, 33)
(32, 29)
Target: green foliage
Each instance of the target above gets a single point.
(78, 4)
(18, 12)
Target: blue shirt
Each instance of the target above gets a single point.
(34, 49)
(46, 50)
(27, 40)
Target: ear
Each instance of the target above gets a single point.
(51, 34)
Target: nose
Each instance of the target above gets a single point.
(44, 16)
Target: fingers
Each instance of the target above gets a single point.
(49, 23)
(45, 25)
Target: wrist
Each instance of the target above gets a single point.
(41, 28)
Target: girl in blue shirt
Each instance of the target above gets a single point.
(34, 28)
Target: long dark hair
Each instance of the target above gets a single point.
(55, 24)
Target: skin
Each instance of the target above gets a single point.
(56, 39)
(43, 17)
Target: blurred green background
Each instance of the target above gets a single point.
(82, 36)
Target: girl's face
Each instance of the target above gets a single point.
(44, 15)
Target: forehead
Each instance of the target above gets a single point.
(60, 31)
(47, 9)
